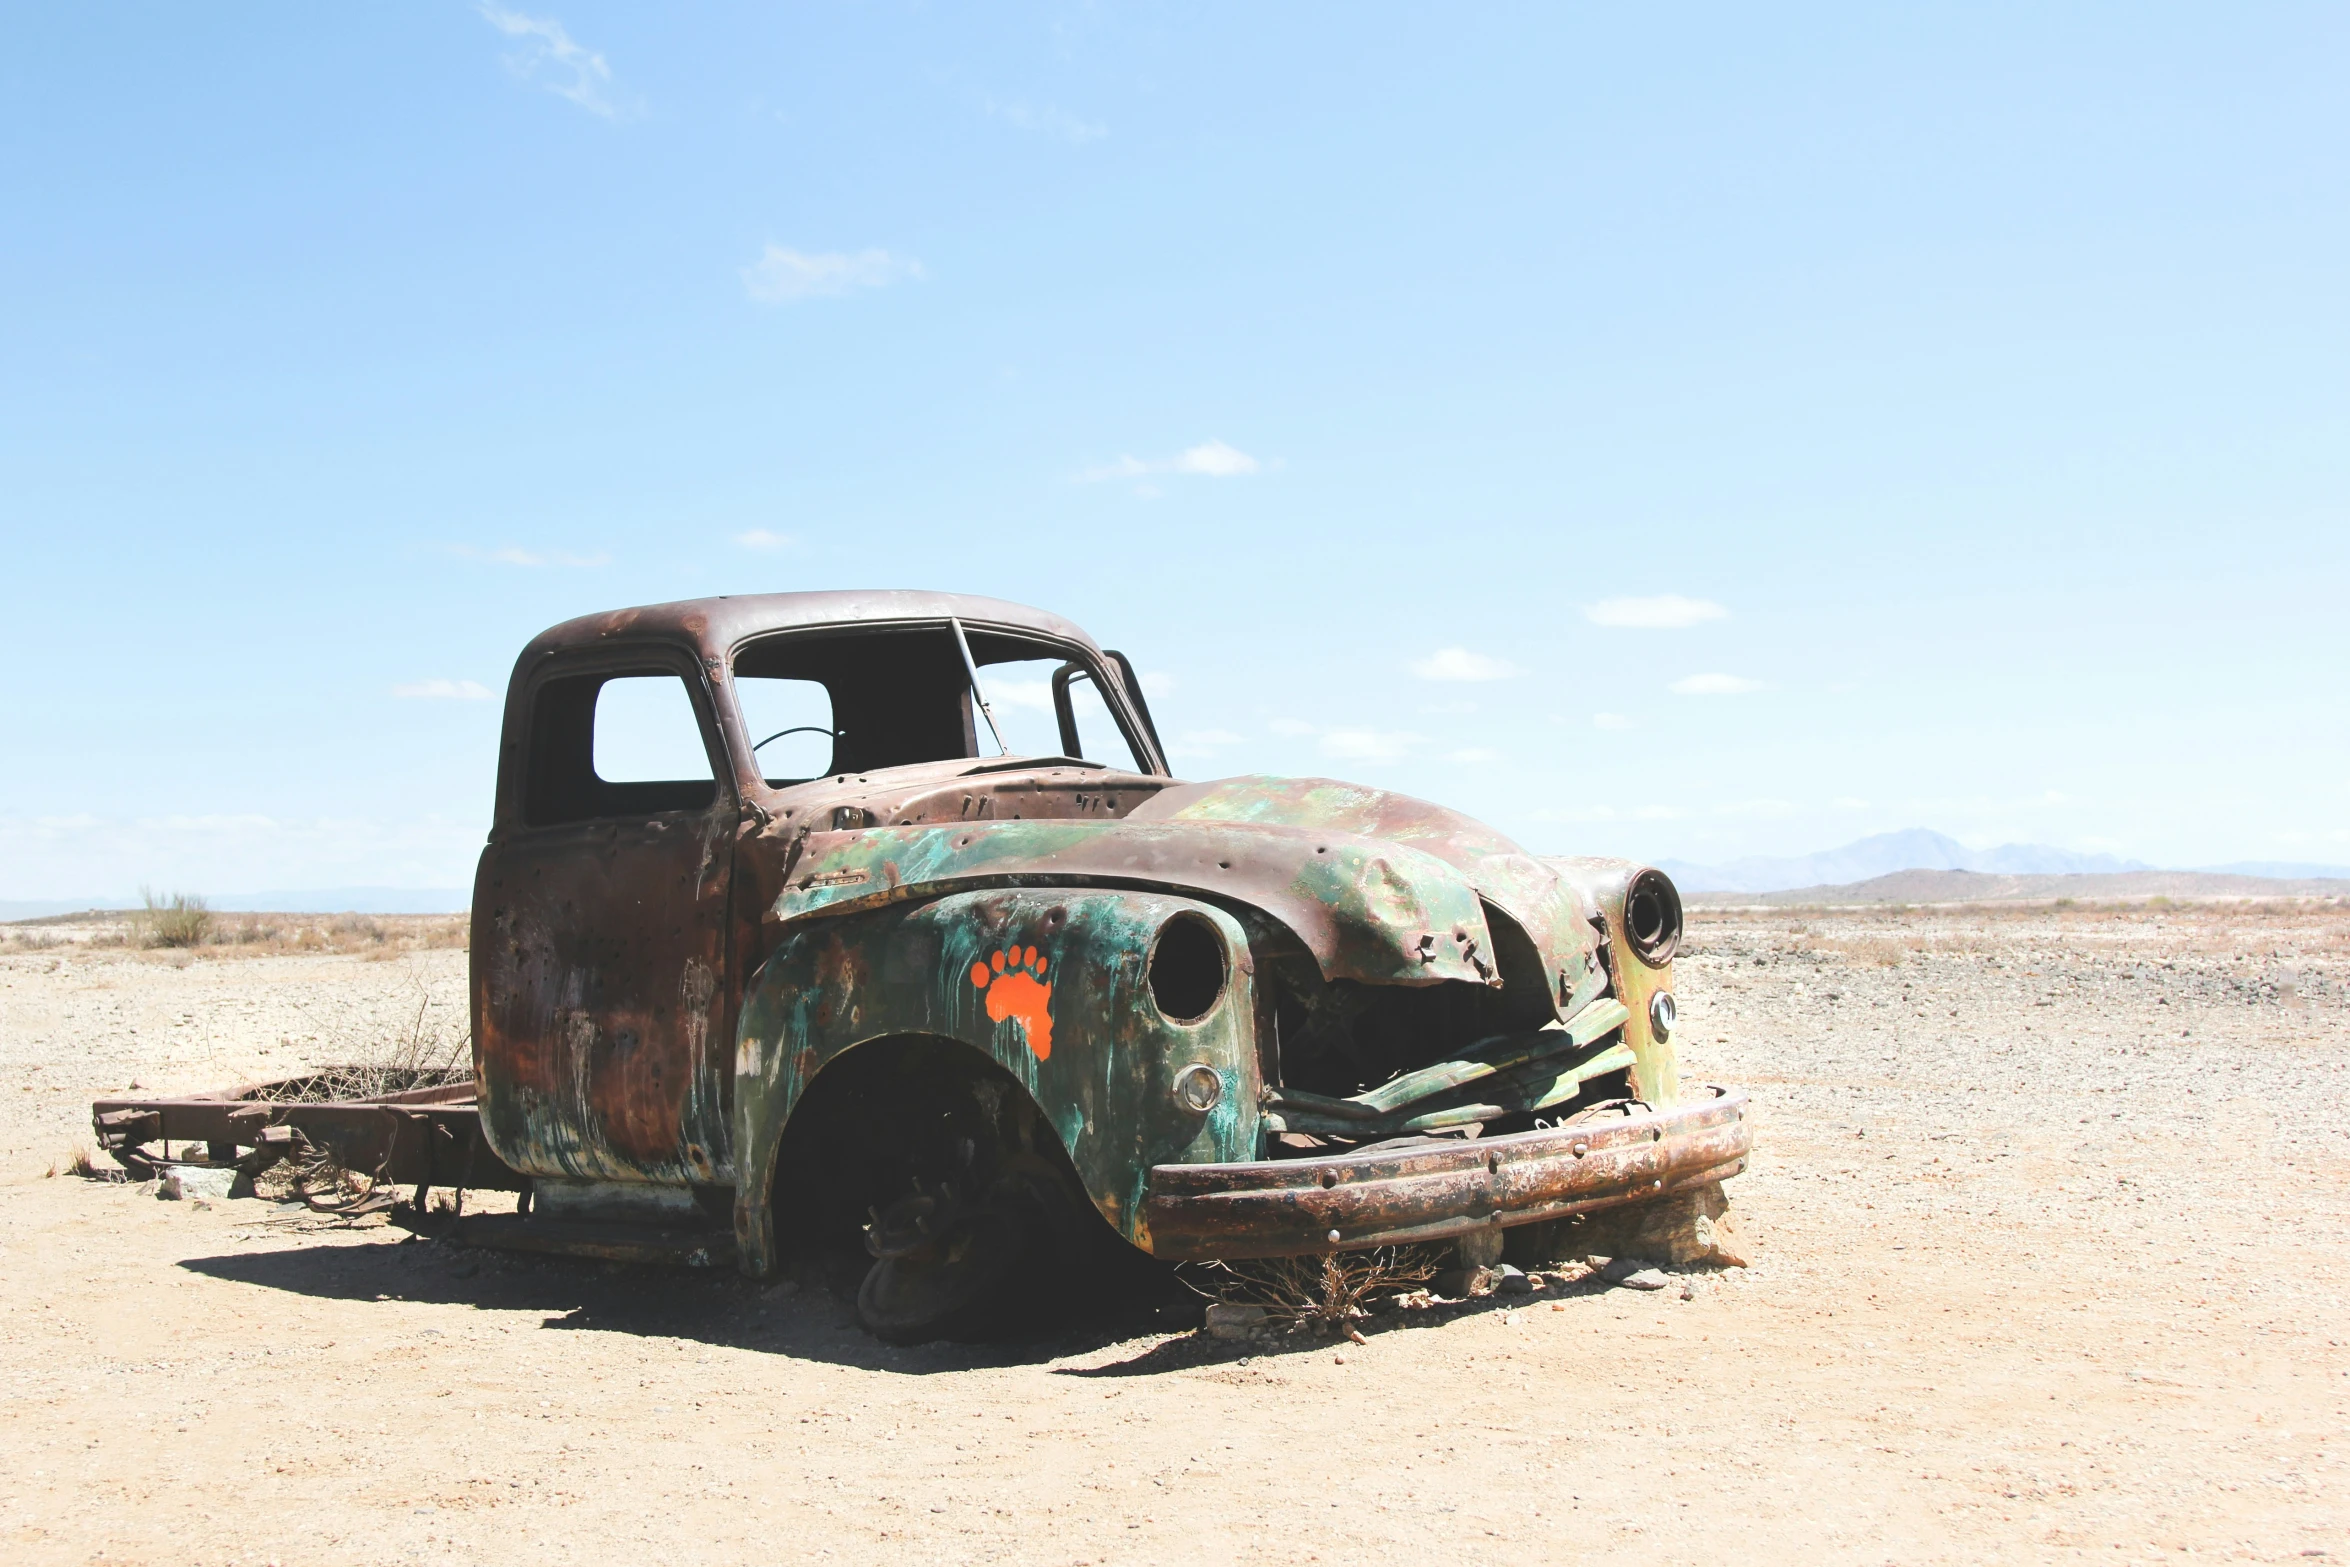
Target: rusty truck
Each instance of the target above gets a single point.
(880, 918)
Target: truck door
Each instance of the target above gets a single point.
(603, 1019)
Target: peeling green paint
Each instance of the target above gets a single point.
(1106, 1081)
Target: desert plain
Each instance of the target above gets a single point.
(2046, 1223)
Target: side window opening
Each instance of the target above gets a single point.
(1051, 707)
(1082, 716)
(608, 745)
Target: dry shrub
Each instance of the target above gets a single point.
(1882, 951)
(315, 1177)
(1329, 1289)
(434, 1046)
(176, 920)
(85, 1164)
(378, 937)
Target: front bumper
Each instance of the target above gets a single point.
(1289, 1207)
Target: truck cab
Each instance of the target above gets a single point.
(879, 917)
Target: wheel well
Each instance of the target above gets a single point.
(887, 1114)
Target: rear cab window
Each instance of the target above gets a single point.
(616, 743)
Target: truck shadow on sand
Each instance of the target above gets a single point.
(810, 1317)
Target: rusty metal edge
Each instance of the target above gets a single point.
(604, 1242)
(1274, 1208)
(370, 1128)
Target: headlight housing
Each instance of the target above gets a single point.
(1187, 968)
(1652, 917)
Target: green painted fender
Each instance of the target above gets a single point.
(1051, 983)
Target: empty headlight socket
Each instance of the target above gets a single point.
(1652, 917)
(1187, 968)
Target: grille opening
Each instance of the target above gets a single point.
(1187, 968)
(1652, 917)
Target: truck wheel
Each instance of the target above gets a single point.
(939, 1272)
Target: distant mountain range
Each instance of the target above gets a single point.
(1917, 849)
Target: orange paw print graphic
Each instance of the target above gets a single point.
(1015, 985)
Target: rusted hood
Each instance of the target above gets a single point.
(1551, 910)
(1379, 887)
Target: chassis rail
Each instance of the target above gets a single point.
(1429, 1192)
(423, 1137)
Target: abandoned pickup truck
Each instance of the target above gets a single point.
(814, 918)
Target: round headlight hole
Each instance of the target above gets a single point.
(1652, 917)
(1187, 968)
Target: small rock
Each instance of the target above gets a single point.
(1462, 1283)
(781, 1288)
(1228, 1321)
(185, 1181)
(1513, 1281)
(1717, 1241)
(1617, 1269)
(1645, 1279)
(1689, 1227)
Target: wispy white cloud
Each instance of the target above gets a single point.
(1044, 119)
(782, 275)
(1664, 612)
(1371, 745)
(763, 539)
(581, 74)
(1290, 726)
(1848, 802)
(1458, 663)
(509, 555)
(444, 691)
(1211, 459)
(1474, 756)
(1610, 721)
(1715, 685)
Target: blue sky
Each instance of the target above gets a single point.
(1672, 432)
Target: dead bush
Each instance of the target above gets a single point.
(175, 920)
(1879, 951)
(315, 1177)
(434, 1046)
(1328, 1290)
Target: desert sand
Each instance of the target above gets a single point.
(2046, 1221)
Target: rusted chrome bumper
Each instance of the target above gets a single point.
(1286, 1207)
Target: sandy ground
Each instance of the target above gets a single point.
(2048, 1215)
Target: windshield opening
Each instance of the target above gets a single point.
(853, 702)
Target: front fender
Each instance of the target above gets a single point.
(1052, 984)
